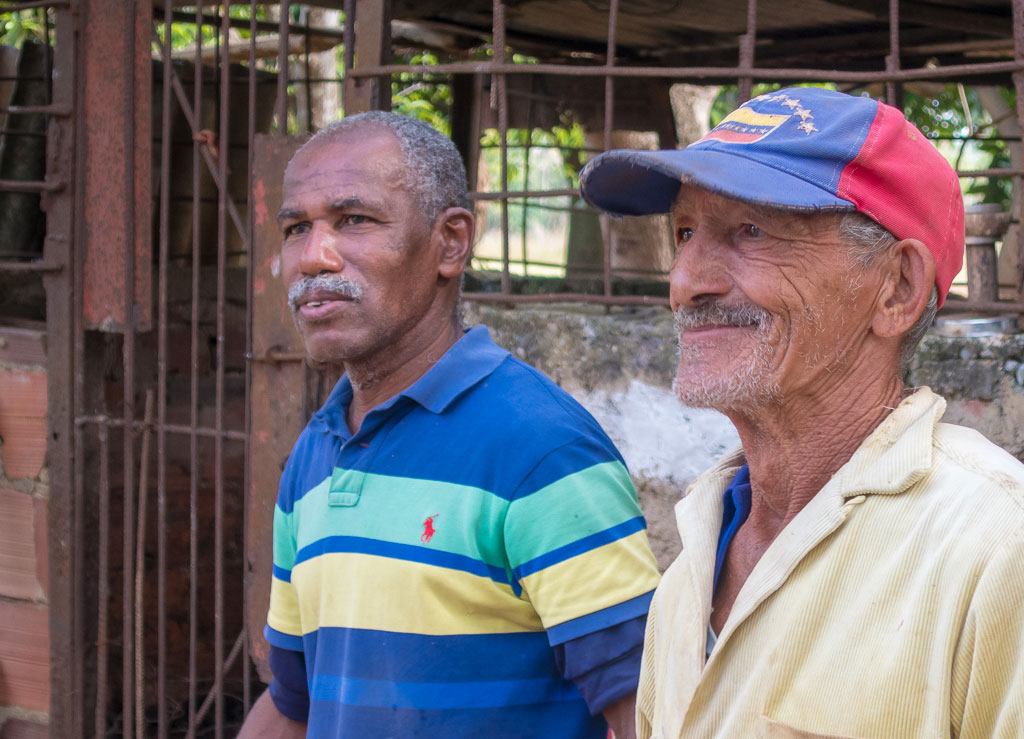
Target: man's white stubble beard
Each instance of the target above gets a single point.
(747, 383)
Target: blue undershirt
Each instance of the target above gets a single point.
(737, 507)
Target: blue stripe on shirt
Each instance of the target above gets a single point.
(617, 614)
(442, 695)
(580, 546)
(407, 552)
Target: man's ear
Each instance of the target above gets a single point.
(455, 228)
(908, 285)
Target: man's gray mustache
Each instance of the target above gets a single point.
(716, 313)
(332, 283)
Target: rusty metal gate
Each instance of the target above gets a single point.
(176, 381)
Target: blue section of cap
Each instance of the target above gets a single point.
(786, 149)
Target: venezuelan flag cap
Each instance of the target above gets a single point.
(803, 149)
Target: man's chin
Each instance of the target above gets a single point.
(724, 394)
(325, 367)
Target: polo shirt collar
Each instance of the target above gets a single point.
(469, 360)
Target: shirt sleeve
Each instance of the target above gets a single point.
(576, 541)
(988, 680)
(605, 665)
(284, 624)
(288, 687)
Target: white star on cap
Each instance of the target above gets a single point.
(807, 127)
(791, 103)
(804, 113)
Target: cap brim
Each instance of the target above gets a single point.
(628, 182)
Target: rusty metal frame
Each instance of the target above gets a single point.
(746, 73)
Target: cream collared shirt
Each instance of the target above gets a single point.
(891, 607)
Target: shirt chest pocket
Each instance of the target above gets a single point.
(771, 729)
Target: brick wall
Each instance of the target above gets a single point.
(24, 610)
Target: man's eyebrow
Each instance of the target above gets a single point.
(290, 214)
(346, 203)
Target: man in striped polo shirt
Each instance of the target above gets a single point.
(458, 550)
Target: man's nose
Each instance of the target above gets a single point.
(320, 253)
(698, 272)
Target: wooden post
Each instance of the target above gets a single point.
(372, 48)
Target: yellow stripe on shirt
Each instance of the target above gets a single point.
(363, 591)
(593, 580)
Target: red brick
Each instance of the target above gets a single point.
(24, 656)
(16, 728)
(23, 424)
(19, 566)
(23, 345)
(41, 522)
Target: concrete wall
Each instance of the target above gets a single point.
(620, 367)
(24, 611)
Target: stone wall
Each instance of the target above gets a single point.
(620, 366)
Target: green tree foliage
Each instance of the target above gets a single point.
(956, 114)
(19, 26)
(422, 96)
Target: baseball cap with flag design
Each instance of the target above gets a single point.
(803, 149)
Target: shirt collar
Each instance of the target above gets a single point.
(896, 454)
(892, 458)
(469, 360)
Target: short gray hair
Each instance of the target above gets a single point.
(435, 172)
(867, 241)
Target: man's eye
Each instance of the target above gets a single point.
(355, 219)
(749, 229)
(296, 229)
(683, 234)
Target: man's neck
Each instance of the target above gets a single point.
(383, 376)
(793, 448)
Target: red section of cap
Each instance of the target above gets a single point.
(901, 181)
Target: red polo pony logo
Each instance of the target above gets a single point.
(428, 529)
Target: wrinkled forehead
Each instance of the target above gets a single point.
(692, 202)
(367, 150)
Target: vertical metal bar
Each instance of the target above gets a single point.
(309, 74)
(48, 41)
(193, 485)
(747, 42)
(128, 360)
(501, 91)
(348, 53)
(103, 584)
(282, 68)
(218, 443)
(893, 91)
(66, 527)
(140, 568)
(250, 226)
(161, 460)
(609, 124)
(1018, 86)
(348, 37)
(526, 175)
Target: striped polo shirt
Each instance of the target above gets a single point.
(427, 564)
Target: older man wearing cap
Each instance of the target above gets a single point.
(856, 569)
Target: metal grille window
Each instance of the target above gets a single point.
(141, 152)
